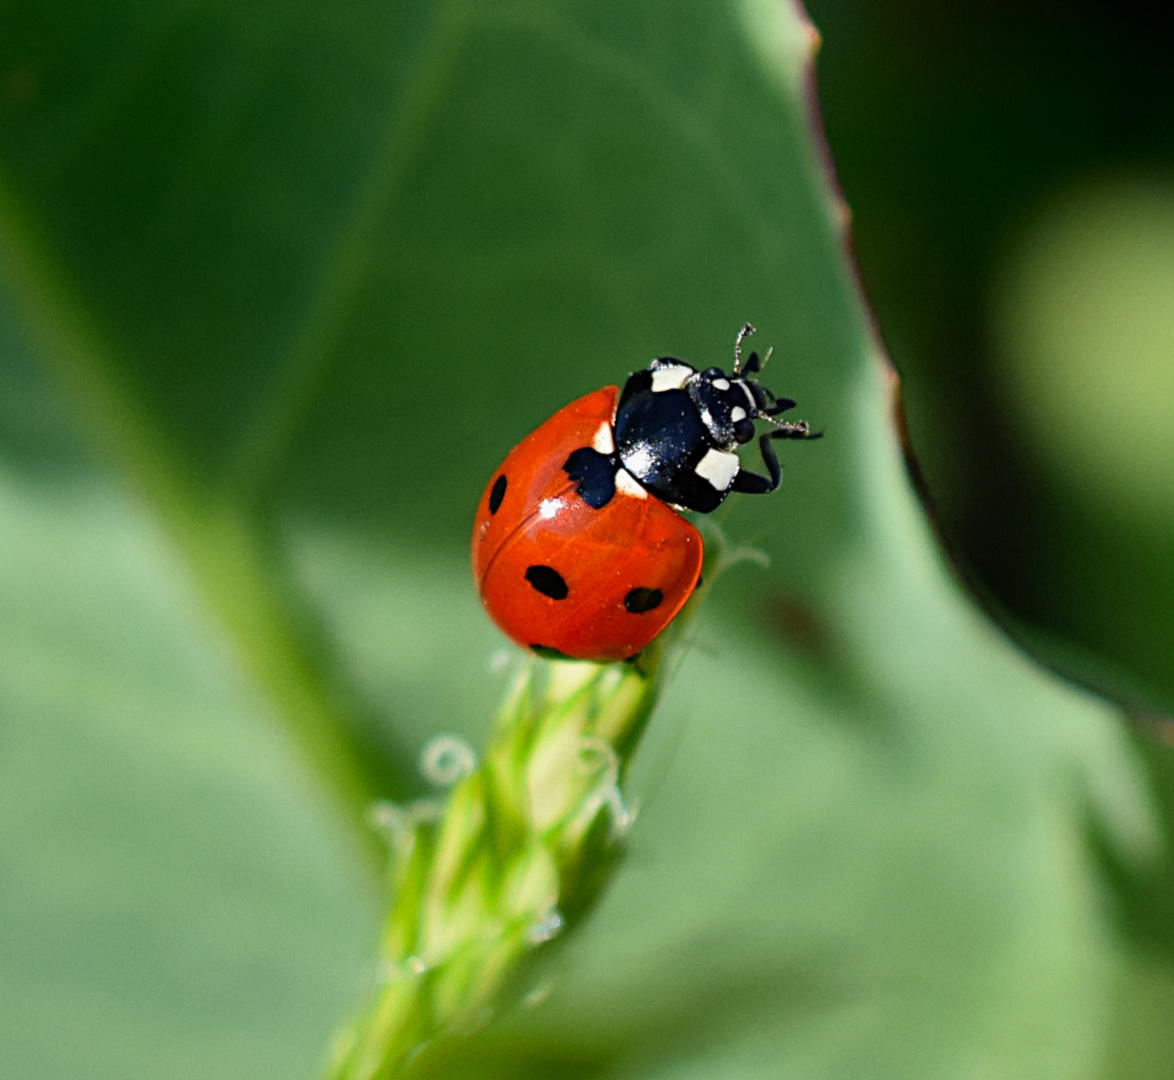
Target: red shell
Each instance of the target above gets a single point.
(631, 546)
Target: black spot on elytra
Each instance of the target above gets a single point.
(497, 494)
(594, 474)
(547, 581)
(549, 653)
(641, 600)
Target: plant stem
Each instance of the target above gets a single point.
(513, 858)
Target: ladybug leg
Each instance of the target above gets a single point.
(786, 430)
(754, 364)
(751, 483)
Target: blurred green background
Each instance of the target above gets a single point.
(280, 284)
(1011, 170)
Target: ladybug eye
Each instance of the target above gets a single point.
(744, 430)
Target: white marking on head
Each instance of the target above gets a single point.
(737, 414)
(721, 384)
(670, 377)
(749, 395)
(629, 485)
(548, 508)
(603, 441)
(719, 467)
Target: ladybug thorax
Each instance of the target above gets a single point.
(677, 429)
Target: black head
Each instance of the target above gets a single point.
(730, 403)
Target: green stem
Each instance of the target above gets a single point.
(237, 575)
(514, 857)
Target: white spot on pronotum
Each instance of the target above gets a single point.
(721, 384)
(629, 485)
(719, 467)
(548, 508)
(603, 441)
(639, 460)
(670, 377)
(737, 414)
(446, 759)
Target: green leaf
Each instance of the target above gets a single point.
(300, 276)
(177, 899)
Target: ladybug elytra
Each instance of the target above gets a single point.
(579, 548)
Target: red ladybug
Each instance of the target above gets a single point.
(578, 547)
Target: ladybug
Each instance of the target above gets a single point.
(579, 547)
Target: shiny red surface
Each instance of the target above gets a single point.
(601, 554)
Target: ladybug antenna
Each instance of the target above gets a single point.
(743, 334)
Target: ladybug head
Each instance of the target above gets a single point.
(730, 403)
(727, 404)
